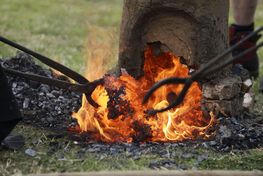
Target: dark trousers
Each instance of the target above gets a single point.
(9, 113)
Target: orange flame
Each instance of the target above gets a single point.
(122, 117)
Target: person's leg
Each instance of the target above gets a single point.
(244, 12)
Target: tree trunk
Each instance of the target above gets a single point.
(194, 29)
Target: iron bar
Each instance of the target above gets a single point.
(211, 67)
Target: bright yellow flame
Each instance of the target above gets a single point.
(124, 118)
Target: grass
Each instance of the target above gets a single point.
(59, 29)
(74, 33)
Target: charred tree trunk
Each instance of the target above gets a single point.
(194, 29)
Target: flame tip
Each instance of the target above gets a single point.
(125, 115)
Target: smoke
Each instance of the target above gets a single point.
(102, 51)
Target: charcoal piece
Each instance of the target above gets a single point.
(171, 97)
(117, 104)
(168, 164)
(44, 88)
(14, 142)
(142, 132)
(182, 60)
(226, 134)
(39, 102)
(34, 84)
(238, 69)
(26, 103)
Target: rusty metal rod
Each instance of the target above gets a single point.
(187, 82)
(229, 61)
(85, 86)
(209, 68)
(49, 81)
(63, 69)
(214, 60)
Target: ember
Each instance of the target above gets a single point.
(121, 117)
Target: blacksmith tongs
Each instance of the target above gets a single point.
(210, 68)
(83, 85)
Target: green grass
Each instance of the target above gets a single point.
(74, 32)
(59, 29)
(249, 160)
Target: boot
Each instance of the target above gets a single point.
(249, 61)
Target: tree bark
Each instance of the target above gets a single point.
(194, 29)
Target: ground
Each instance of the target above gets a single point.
(74, 32)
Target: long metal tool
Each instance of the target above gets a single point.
(211, 67)
(83, 85)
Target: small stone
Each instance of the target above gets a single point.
(136, 157)
(201, 158)
(225, 135)
(26, 103)
(50, 95)
(225, 131)
(222, 89)
(241, 136)
(248, 100)
(44, 88)
(55, 93)
(50, 119)
(191, 71)
(212, 143)
(93, 150)
(14, 84)
(246, 85)
(30, 152)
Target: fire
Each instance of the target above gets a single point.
(121, 117)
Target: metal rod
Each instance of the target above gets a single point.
(49, 81)
(202, 72)
(225, 53)
(63, 69)
(156, 86)
(231, 60)
(86, 88)
(189, 81)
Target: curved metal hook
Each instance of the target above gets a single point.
(187, 81)
(91, 87)
(157, 85)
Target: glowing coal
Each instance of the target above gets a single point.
(122, 117)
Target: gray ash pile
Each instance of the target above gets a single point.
(40, 104)
(46, 106)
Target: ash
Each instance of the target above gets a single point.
(41, 105)
(45, 106)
